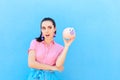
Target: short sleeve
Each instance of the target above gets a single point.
(32, 45)
(60, 49)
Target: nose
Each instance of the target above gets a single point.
(46, 30)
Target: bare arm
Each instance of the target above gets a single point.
(32, 63)
(61, 58)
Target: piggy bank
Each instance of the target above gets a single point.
(68, 33)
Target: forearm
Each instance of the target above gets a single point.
(38, 65)
(61, 58)
(34, 64)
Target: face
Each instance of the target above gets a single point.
(48, 29)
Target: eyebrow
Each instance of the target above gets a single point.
(49, 26)
(43, 27)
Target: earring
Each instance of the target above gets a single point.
(54, 35)
(42, 37)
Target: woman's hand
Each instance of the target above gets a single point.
(68, 42)
(58, 68)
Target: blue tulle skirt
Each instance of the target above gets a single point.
(42, 75)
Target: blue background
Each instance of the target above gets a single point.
(95, 53)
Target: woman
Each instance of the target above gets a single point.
(45, 56)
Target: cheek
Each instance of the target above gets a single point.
(53, 32)
(43, 33)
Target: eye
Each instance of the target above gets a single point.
(43, 28)
(50, 27)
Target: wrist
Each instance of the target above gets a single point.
(66, 46)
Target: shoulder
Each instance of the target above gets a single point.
(34, 41)
(58, 45)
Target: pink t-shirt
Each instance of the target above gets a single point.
(46, 54)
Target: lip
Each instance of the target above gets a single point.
(47, 35)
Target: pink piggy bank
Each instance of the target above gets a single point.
(68, 33)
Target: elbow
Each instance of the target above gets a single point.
(58, 64)
(60, 67)
(31, 64)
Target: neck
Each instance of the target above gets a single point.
(48, 41)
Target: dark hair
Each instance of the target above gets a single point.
(41, 38)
